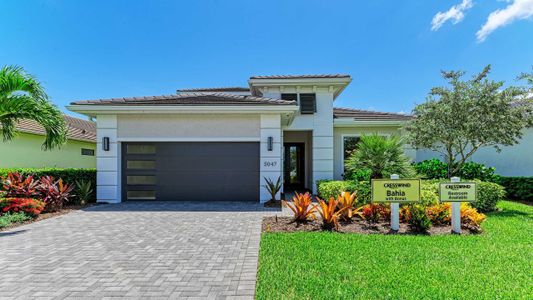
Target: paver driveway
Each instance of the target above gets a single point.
(135, 250)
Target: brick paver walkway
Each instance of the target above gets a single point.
(135, 250)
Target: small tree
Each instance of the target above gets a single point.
(380, 155)
(469, 114)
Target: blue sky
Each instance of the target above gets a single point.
(102, 49)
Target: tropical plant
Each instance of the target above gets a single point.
(419, 220)
(84, 191)
(458, 120)
(439, 214)
(470, 216)
(302, 207)
(381, 155)
(23, 97)
(8, 219)
(347, 205)
(272, 187)
(372, 212)
(17, 185)
(31, 207)
(329, 213)
(54, 193)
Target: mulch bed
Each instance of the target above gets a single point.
(44, 216)
(285, 224)
(270, 203)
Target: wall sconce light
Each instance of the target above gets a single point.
(105, 143)
(270, 143)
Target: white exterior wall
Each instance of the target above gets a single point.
(516, 160)
(107, 162)
(270, 161)
(321, 125)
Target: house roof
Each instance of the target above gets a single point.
(367, 115)
(189, 99)
(301, 76)
(77, 129)
(217, 89)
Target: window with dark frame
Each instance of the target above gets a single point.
(350, 144)
(87, 152)
(307, 102)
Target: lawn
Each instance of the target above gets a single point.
(497, 264)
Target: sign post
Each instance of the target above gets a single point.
(395, 191)
(395, 210)
(457, 192)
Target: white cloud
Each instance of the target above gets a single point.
(456, 14)
(517, 10)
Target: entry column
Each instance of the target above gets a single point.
(270, 152)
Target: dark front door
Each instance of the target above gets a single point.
(294, 166)
(191, 171)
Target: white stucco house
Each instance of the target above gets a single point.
(220, 143)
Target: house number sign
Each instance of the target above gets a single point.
(270, 163)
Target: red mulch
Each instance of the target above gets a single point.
(285, 224)
(44, 216)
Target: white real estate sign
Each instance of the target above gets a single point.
(457, 192)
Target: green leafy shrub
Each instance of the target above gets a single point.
(517, 188)
(419, 220)
(436, 169)
(488, 195)
(333, 188)
(358, 175)
(69, 176)
(429, 192)
(11, 218)
(85, 192)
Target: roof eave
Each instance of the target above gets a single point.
(341, 83)
(93, 110)
(350, 122)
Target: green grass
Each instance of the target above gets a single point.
(11, 218)
(497, 264)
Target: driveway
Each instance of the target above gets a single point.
(134, 250)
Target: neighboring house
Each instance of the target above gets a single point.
(220, 143)
(25, 150)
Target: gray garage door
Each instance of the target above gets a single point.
(190, 171)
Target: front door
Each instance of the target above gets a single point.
(294, 166)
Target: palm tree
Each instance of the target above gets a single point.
(380, 155)
(23, 97)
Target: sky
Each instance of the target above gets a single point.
(394, 50)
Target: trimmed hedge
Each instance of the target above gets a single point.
(436, 169)
(517, 188)
(489, 193)
(69, 175)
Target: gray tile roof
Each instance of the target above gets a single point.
(217, 89)
(367, 115)
(189, 99)
(77, 129)
(301, 76)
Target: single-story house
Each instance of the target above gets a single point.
(221, 143)
(25, 151)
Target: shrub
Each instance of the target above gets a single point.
(10, 218)
(333, 188)
(18, 185)
(488, 195)
(272, 187)
(54, 193)
(517, 188)
(381, 155)
(372, 212)
(358, 175)
(329, 213)
(436, 169)
(31, 207)
(439, 214)
(405, 213)
(429, 192)
(470, 216)
(419, 221)
(69, 176)
(302, 207)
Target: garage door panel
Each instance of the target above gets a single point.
(193, 171)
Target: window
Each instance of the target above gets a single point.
(349, 145)
(141, 195)
(307, 102)
(140, 164)
(88, 152)
(141, 149)
(140, 180)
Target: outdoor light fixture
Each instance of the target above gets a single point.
(270, 143)
(105, 143)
